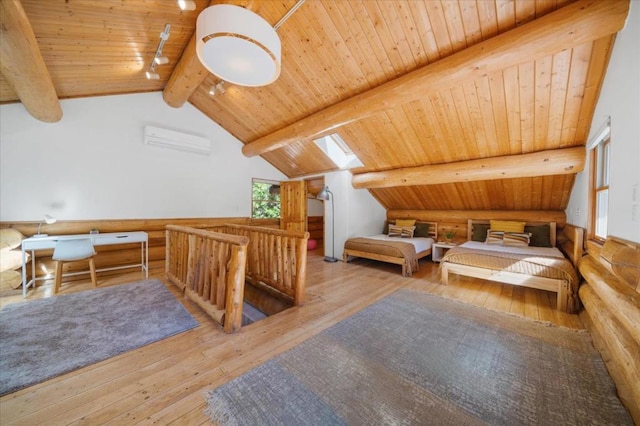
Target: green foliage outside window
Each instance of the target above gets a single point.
(265, 200)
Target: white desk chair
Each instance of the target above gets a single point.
(70, 251)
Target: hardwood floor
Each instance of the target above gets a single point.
(164, 382)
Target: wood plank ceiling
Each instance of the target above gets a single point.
(335, 50)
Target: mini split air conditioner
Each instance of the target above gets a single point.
(176, 140)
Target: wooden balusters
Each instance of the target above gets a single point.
(210, 268)
(210, 265)
(276, 259)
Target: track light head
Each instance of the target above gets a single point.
(187, 4)
(152, 75)
(161, 60)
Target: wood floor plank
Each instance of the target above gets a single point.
(164, 383)
(531, 304)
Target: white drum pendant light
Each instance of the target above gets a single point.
(237, 45)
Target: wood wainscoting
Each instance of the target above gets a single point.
(456, 220)
(315, 227)
(109, 256)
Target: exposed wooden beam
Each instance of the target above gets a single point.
(572, 25)
(22, 65)
(188, 74)
(542, 163)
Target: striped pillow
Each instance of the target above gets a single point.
(494, 237)
(395, 231)
(407, 231)
(516, 239)
(401, 231)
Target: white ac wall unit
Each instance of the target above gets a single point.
(176, 140)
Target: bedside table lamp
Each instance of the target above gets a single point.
(48, 220)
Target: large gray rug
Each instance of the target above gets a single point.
(44, 338)
(413, 358)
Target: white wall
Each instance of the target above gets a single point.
(93, 164)
(619, 99)
(357, 213)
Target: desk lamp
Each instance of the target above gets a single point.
(48, 220)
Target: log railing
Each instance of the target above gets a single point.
(276, 260)
(210, 268)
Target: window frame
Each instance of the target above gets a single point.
(599, 182)
(254, 201)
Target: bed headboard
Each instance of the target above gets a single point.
(552, 228)
(573, 247)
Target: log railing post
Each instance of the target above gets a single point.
(235, 289)
(210, 268)
(299, 294)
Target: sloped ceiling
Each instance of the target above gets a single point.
(338, 54)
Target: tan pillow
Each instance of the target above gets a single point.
(395, 231)
(11, 259)
(10, 238)
(10, 280)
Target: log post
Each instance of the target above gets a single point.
(542, 163)
(191, 262)
(22, 65)
(235, 289)
(188, 74)
(299, 291)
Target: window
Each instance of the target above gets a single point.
(599, 187)
(338, 151)
(265, 199)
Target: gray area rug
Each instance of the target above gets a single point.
(413, 358)
(44, 338)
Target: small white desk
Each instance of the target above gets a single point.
(49, 242)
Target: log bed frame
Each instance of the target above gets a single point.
(558, 286)
(433, 233)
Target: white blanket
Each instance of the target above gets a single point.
(420, 243)
(533, 251)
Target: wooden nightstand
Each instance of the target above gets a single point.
(439, 249)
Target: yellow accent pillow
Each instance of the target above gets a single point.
(507, 226)
(405, 222)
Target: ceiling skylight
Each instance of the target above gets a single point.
(338, 151)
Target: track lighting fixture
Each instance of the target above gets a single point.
(187, 4)
(158, 59)
(217, 88)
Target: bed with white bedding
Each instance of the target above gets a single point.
(543, 268)
(400, 251)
